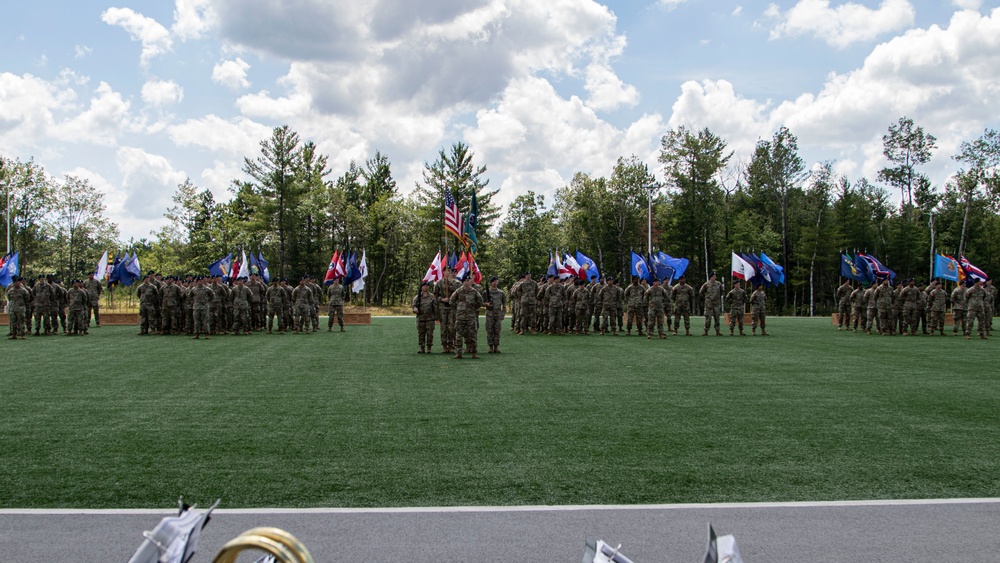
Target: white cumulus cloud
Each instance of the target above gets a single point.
(842, 25)
(192, 18)
(148, 181)
(162, 93)
(232, 74)
(154, 37)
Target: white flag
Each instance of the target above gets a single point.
(742, 269)
(434, 273)
(359, 284)
(244, 267)
(102, 267)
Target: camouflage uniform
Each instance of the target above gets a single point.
(171, 299)
(94, 289)
(42, 293)
(257, 314)
(219, 324)
(555, 296)
(758, 311)
(871, 317)
(59, 304)
(883, 299)
(317, 297)
(922, 309)
(17, 304)
(467, 301)
(975, 302)
(682, 294)
(910, 295)
(737, 298)
(240, 296)
(633, 299)
(583, 304)
(958, 310)
(526, 292)
(898, 318)
(496, 310)
(711, 291)
(609, 308)
(858, 307)
(542, 313)
(187, 300)
(275, 298)
(302, 297)
(446, 310)
(202, 297)
(336, 306)
(844, 305)
(79, 301)
(620, 307)
(991, 297)
(149, 297)
(655, 299)
(425, 308)
(939, 304)
(288, 306)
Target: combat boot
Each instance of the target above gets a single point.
(628, 333)
(763, 332)
(458, 355)
(649, 336)
(687, 332)
(717, 333)
(742, 333)
(496, 349)
(705, 333)
(730, 332)
(421, 350)
(475, 356)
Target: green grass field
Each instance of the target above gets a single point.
(360, 420)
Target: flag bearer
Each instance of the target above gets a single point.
(467, 301)
(737, 298)
(711, 291)
(496, 309)
(425, 308)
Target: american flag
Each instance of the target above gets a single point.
(452, 217)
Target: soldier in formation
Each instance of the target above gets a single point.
(336, 305)
(18, 298)
(425, 308)
(711, 292)
(737, 298)
(682, 295)
(844, 305)
(758, 311)
(496, 309)
(466, 301)
(656, 299)
(443, 290)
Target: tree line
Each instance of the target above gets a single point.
(704, 203)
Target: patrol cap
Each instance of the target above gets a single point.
(493, 279)
(711, 274)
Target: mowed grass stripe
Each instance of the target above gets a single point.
(360, 420)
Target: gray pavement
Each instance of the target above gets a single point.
(893, 531)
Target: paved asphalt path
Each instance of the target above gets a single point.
(891, 531)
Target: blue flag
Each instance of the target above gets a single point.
(639, 267)
(661, 270)
(222, 266)
(130, 270)
(945, 268)
(353, 274)
(862, 265)
(11, 268)
(848, 269)
(254, 265)
(771, 263)
(264, 272)
(553, 270)
(452, 261)
(680, 265)
(588, 265)
(116, 271)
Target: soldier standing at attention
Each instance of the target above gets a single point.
(858, 307)
(218, 313)
(682, 295)
(526, 291)
(171, 296)
(94, 289)
(202, 297)
(938, 303)
(59, 306)
(871, 317)
(883, 299)
(582, 308)
(655, 298)
(922, 307)
(633, 299)
(336, 306)
(844, 305)
(442, 293)
(467, 301)
(302, 297)
(78, 299)
(975, 298)
(496, 310)
(620, 306)
(958, 310)
(288, 307)
(187, 300)
(991, 297)
(17, 305)
(317, 297)
(42, 293)
(275, 298)
(910, 295)
(425, 308)
(758, 311)
(898, 318)
(737, 298)
(555, 295)
(609, 307)
(515, 303)
(257, 290)
(240, 295)
(149, 298)
(711, 292)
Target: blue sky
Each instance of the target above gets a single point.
(135, 96)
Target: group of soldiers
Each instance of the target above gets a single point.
(52, 306)
(206, 305)
(555, 306)
(456, 306)
(912, 305)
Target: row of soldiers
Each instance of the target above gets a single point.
(51, 305)
(557, 306)
(206, 305)
(912, 305)
(456, 306)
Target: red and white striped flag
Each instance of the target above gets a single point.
(452, 216)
